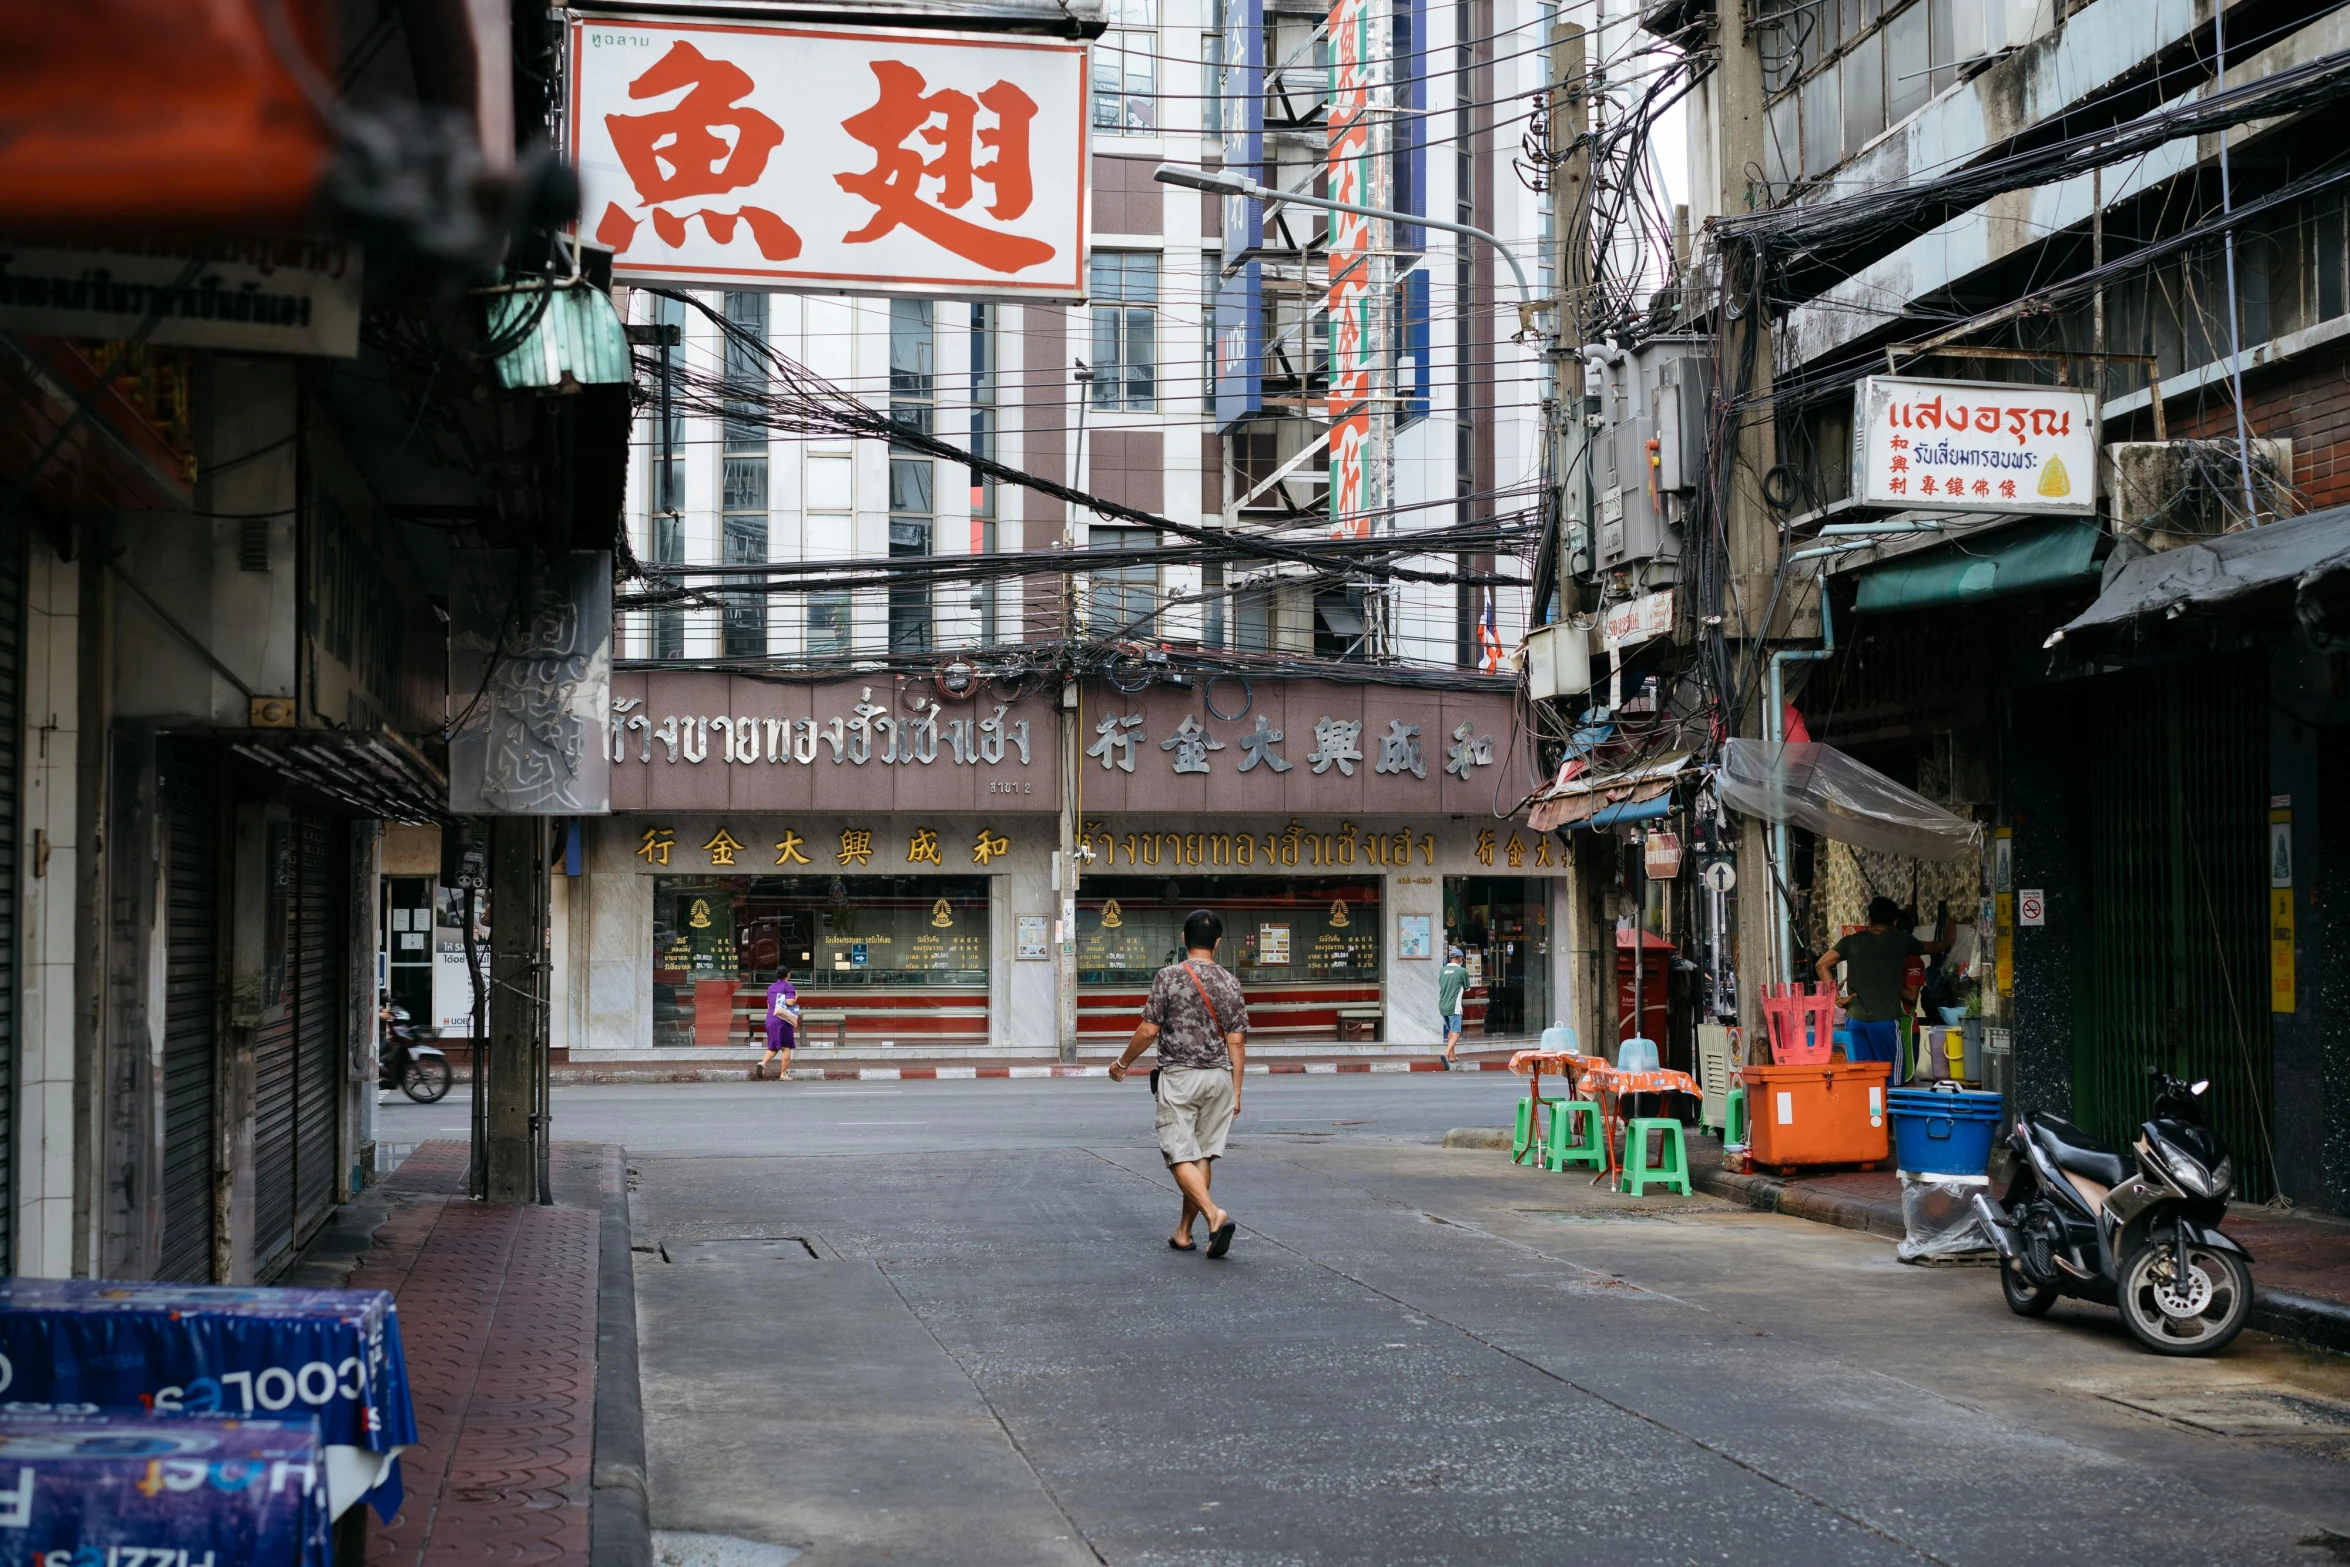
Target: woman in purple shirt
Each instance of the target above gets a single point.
(783, 1019)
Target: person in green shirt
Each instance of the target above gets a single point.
(1451, 980)
(1874, 961)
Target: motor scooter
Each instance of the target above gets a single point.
(2138, 1231)
(408, 1063)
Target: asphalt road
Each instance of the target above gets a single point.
(938, 1322)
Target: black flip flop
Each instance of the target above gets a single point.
(1220, 1238)
(1175, 1245)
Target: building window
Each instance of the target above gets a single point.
(830, 515)
(1120, 600)
(1126, 70)
(1252, 617)
(743, 477)
(743, 521)
(666, 495)
(1211, 279)
(1125, 330)
(912, 513)
(984, 348)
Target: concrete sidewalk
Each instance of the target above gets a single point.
(2300, 1262)
(521, 1359)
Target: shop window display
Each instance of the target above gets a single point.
(1276, 931)
(718, 942)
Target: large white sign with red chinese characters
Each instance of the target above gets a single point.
(830, 158)
(1975, 446)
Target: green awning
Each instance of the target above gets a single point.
(2015, 560)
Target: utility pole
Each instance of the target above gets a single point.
(513, 1090)
(1590, 931)
(1752, 533)
(1071, 715)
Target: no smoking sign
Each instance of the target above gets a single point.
(2031, 906)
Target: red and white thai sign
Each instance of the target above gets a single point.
(924, 163)
(1356, 274)
(1975, 446)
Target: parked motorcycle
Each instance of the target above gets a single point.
(408, 1063)
(2138, 1231)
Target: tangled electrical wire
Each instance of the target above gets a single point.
(1801, 243)
(1628, 219)
(761, 388)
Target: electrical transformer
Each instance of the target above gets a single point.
(1649, 456)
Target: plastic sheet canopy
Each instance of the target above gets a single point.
(1819, 788)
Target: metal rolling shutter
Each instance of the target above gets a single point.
(11, 759)
(191, 807)
(273, 1073)
(2170, 955)
(315, 960)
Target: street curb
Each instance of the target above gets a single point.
(2321, 1324)
(620, 1531)
(2285, 1314)
(569, 1077)
(1769, 1194)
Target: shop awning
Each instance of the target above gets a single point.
(2299, 554)
(1590, 797)
(2042, 554)
(1819, 788)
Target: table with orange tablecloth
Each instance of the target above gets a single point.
(1533, 1063)
(1608, 1085)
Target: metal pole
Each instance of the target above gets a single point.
(1174, 174)
(2227, 207)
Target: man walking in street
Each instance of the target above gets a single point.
(783, 1023)
(1451, 981)
(1874, 960)
(1199, 1019)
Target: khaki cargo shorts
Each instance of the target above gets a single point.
(1195, 1112)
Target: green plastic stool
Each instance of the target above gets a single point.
(1575, 1136)
(1734, 1118)
(1639, 1174)
(1523, 1140)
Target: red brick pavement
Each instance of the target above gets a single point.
(498, 1318)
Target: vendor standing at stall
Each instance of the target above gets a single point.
(1876, 961)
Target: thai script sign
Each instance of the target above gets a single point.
(695, 741)
(1639, 620)
(1975, 446)
(888, 161)
(278, 296)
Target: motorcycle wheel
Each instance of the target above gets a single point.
(2205, 1315)
(426, 1079)
(2024, 1298)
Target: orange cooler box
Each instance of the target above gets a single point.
(1829, 1112)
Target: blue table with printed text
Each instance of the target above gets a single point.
(138, 1490)
(333, 1356)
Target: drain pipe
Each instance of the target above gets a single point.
(1775, 730)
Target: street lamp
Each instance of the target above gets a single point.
(1220, 183)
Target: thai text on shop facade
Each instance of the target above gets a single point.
(870, 734)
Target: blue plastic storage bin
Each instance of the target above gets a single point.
(1940, 1133)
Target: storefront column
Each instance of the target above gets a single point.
(610, 921)
(1025, 991)
(1065, 882)
(1411, 982)
(1565, 989)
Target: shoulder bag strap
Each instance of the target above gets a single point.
(1206, 1000)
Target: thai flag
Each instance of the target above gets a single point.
(1489, 638)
